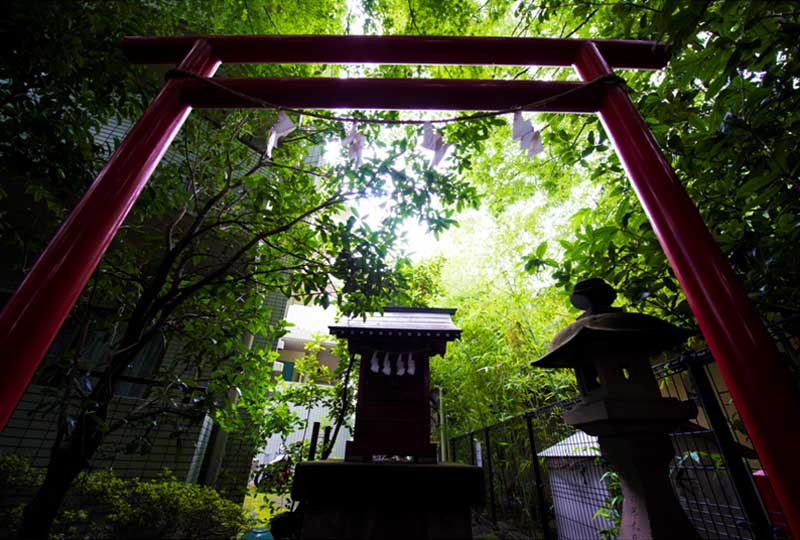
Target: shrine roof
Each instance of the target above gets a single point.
(400, 322)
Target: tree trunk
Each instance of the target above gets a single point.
(326, 452)
(65, 465)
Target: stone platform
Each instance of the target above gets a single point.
(386, 501)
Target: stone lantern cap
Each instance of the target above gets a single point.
(603, 329)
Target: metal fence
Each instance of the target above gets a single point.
(546, 480)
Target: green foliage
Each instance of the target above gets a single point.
(612, 509)
(712, 459)
(311, 370)
(162, 508)
(220, 228)
(17, 479)
(681, 472)
(274, 480)
(506, 321)
(420, 283)
(341, 401)
(102, 505)
(725, 115)
(318, 386)
(334, 390)
(257, 505)
(16, 472)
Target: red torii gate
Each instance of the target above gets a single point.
(760, 384)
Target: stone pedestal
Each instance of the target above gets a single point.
(386, 501)
(633, 435)
(650, 510)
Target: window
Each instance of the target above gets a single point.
(144, 366)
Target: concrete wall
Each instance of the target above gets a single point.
(174, 443)
(31, 432)
(276, 444)
(237, 460)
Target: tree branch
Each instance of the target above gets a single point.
(187, 291)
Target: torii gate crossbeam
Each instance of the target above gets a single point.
(759, 382)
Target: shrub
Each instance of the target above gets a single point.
(163, 508)
(102, 505)
(18, 483)
(16, 472)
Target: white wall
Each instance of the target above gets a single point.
(315, 414)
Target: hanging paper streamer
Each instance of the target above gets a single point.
(279, 129)
(432, 140)
(373, 365)
(401, 368)
(387, 367)
(354, 142)
(529, 138)
(412, 365)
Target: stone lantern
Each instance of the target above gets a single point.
(623, 406)
(389, 486)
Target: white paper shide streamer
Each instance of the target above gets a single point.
(381, 362)
(387, 366)
(529, 138)
(354, 142)
(374, 363)
(279, 129)
(432, 140)
(401, 368)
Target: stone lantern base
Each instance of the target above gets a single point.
(386, 501)
(633, 435)
(650, 510)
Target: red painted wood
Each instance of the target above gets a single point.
(759, 382)
(33, 316)
(397, 50)
(771, 504)
(411, 94)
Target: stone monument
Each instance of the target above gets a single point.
(623, 406)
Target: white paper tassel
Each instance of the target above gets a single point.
(432, 140)
(536, 145)
(429, 139)
(401, 368)
(355, 143)
(520, 126)
(412, 365)
(373, 365)
(529, 138)
(279, 129)
(387, 367)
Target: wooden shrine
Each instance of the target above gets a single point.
(393, 414)
(390, 487)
